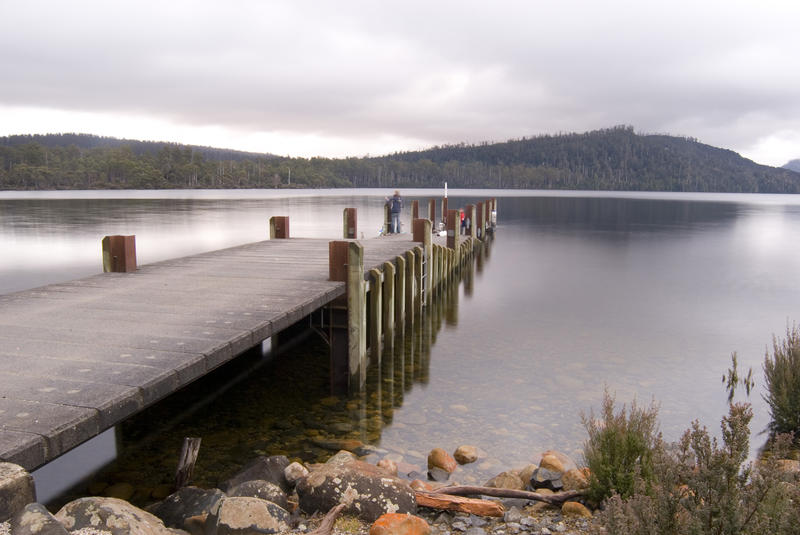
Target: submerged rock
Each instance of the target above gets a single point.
(438, 458)
(264, 468)
(507, 480)
(466, 454)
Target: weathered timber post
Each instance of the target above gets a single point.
(480, 221)
(453, 223)
(487, 216)
(432, 212)
(470, 217)
(387, 219)
(186, 461)
(422, 233)
(493, 213)
(412, 287)
(350, 224)
(279, 227)
(398, 315)
(419, 278)
(444, 210)
(414, 210)
(375, 313)
(348, 333)
(119, 254)
(389, 303)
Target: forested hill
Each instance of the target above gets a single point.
(610, 159)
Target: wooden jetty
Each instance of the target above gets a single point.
(77, 358)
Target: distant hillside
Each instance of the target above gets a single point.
(89, 141)
(610, 159)
(794, 165)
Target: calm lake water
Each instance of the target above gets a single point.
(644, 294)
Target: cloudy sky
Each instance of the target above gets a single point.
(351, 77)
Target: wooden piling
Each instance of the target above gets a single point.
(348, 333)
(279, 227)
(414, 210)
(389, 300)
(411, 285)
(419, 278)
(398, 283)
(422, 233)
(350, 224)
(432, 211)
(375, 313)
(479, 220)
(119, 254)
(453, 230)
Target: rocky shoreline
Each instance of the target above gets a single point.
(273, 495)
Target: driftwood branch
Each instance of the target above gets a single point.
(553, 499)
(326, 526)
(447, 502)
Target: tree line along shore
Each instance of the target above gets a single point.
(611, 159)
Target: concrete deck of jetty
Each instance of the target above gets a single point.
(76, 358)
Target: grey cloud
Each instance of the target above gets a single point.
(432, 71)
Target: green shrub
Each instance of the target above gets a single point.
(702, 488)
(620, 448)
(782, 378)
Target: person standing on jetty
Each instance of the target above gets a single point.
(395, 203)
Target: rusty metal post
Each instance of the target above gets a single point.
(350, 224)
(119, 254)
(279, 227)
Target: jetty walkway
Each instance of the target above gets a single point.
(77, 358)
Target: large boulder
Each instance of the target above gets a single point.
(263, 468)
(35, 519)
(247, 516)
(186, 503)
(264, 490)
(112, 515)
(365, 489)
